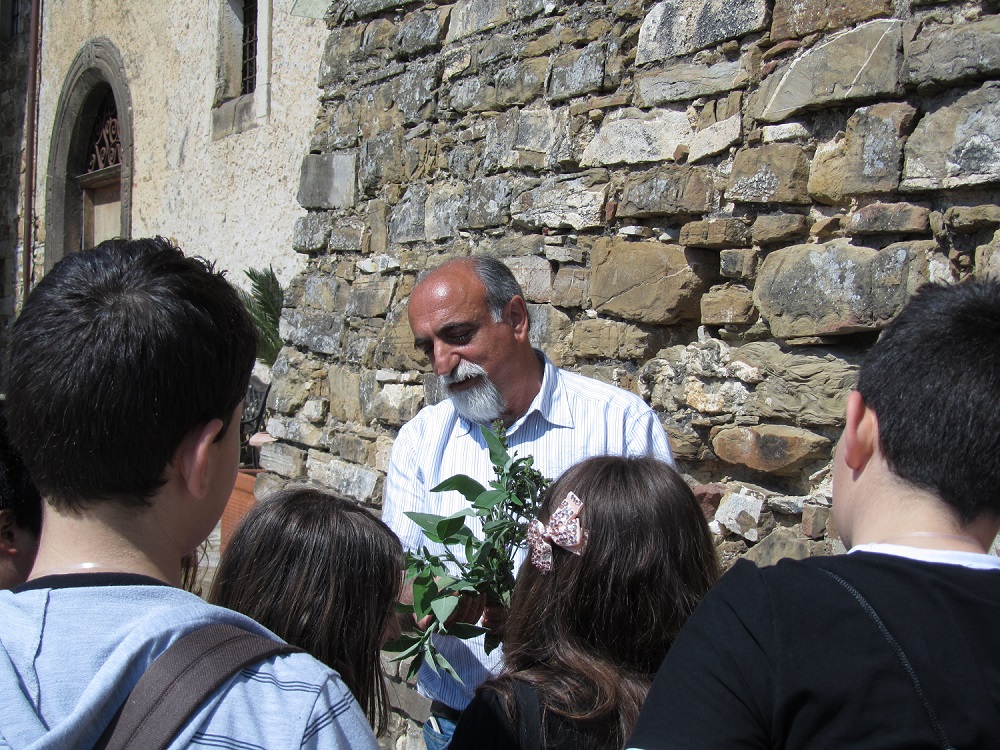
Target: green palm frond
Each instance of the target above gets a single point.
(264, 302)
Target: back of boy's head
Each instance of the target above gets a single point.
(933, 381)
(118, 354)
(18, 493)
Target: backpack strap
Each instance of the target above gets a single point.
(529, 716)
(178, 682)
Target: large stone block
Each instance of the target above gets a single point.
(776, 173)
(685, 81)
(836, 288)
(890, 218)
(522, 82)
(534, 274)
(861, 63)
(649, 282)
(780, 544)
(957, 143)
(609, 339)
(347, 235)
(296, 430)
(323, 293)
(381, 160)
(327, 180)
(394, 349)
(283, 459)
(667, 191)
(470, 17)
(406, 224)
(742, 513)
(868, 159)
(341, 47)
(948, 54)
(633, 137)
(728, 304)
(352, 480)
(370, 296)
(549, 332)
(415, 92)
(523, 139)
(577, 72)
(289, 383)
(777, 449)
(769, 229)
(571, 287)
(716, 234)
(446, 211)
(392, 404)
(311, 233)
(318, 331)
(420, 31)
(489, 202)
(345, 393)
(563, 202)
(673, 28)
(715, 139)
(798, 18)
(808, 390)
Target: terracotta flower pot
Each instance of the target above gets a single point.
(240, 502)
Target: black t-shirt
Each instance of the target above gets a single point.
(785, 657)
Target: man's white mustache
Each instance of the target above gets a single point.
(463, 371)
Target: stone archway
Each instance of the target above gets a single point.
(97, 69)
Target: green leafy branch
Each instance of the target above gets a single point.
(505, 508)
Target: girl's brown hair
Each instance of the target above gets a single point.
(323, 573)
(590, 635)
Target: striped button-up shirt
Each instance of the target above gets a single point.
(571, 418)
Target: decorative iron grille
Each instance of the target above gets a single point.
(249, 47)
(105, 149)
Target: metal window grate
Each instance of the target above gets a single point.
(104, 147)
(249, 47)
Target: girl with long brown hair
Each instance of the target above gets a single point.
(620, 556)
(324, 574)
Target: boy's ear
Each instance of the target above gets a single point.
(194, 457)
(861, 440)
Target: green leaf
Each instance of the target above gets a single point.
(498, 454)
(491, 641)
(469, 487)
(404, 646)
(443, 607)
(424, 595)
(264, 302)
(465, 630)
(448, 528)
(490, 499)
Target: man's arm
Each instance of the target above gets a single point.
(714, 689)
(646, 437)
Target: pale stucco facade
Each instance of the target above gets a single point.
(231, 199)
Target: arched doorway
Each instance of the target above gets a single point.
(89, 180)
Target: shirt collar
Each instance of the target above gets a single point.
(950, 557)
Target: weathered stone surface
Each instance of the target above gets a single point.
(868, 159)
(414, 92)
(381, 160)
(522, 82)
(805, 389)
(420, 31)
(550, 329)
(651, 282)
(489, 202)
(778, 449)
(779, 544)
(777, 173)
(741, 513)
(446, 211)
(295, 430)
(947, 54)
(667, 191)
(957, 143)
(370, 296)
(609, 338)
(679, 27)
(738, 263)
(470, 17)
(715, 139)
(814, 518)
(311, 233)
(392, 404)
(324, 294)
(472, 95)
(327, 180)
(347, 235)
(633, 137)
(394, 348)
(341, 45)
(317, 331)
(348, 479)
(684, 81)
(345, 393)
(988, 259)
(890, 218)
(971, 219)
(573, 202)
(714, 396)
(283, 459)
(836, 288)
(571, 287)
(577, 72)
(406, 224)
(728, 304)
(523, 139)
(769, 229)
(784, 133)
(709, 496)
(534, 274)
(796, 19)
(716, 233)
(861, 63)
(289, 382)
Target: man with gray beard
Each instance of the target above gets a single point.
(470, 318)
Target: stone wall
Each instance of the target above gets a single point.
(714, 204)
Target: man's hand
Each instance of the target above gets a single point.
(470, 609)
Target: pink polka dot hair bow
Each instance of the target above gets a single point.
(563, 528)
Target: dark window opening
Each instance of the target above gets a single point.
(249, 47)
